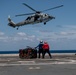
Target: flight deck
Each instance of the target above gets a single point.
(60, 64)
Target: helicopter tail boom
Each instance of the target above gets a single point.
(11, 23)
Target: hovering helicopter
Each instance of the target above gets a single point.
(34, 18)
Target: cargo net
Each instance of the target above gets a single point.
(28, 53)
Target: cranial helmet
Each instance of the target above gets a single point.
(45, 42)
(41, 41)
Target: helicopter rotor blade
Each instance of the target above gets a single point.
(24, 14)
(29, 7)
(52, 8)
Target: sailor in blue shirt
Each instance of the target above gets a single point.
(40, 49)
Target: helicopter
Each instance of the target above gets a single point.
(33, 18)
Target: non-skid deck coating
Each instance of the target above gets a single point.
(56, 59)
(58, 65)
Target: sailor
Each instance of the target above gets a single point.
(46, 49)
(40, 49)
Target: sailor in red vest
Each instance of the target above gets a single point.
(46, 49)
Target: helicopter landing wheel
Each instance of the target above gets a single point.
(44, 23)
(17, 28)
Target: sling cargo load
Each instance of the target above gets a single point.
(28, 53)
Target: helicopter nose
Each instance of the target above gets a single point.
(51, 17)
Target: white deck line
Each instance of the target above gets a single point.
(9, 54)
(45, 54)
(4, 64)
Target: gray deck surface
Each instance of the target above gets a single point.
(58, 65)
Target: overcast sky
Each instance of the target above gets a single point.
(60, 33)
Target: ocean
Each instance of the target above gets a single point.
(51, 51)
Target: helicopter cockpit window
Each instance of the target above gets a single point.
(45, 14)
(28, 18)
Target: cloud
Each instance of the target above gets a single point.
(67, 27)
(1, 33)
(67, 32)
(21, 39)
(24, 36)
(21, 34)
(3, 37)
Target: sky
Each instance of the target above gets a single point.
(60, 32)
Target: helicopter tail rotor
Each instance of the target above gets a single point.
(11, 23)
